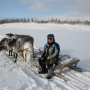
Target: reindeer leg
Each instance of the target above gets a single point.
(25, 57)
(9, 52)
(22, 57)
(14, 54)
(16, 57)
(29, 65)
(30, 60)
(23, 61)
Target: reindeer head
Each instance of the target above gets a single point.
(4, 41)
(9, 34)
(12, 43)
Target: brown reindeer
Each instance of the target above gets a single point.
(4, 43)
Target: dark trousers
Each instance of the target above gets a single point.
(43, 64)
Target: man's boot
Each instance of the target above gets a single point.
(50, 71)
(49, 77)
(43, 71)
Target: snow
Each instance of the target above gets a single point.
(74, 40)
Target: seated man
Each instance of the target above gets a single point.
(49, 56)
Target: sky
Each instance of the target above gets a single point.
(45, 9)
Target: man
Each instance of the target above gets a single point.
(49, 56)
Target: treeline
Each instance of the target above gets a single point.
(57, 21)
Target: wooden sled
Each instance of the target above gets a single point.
(64, 61)
(69, 62)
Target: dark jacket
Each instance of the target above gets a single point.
(50, 51)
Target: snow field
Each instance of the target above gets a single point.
(74, 41)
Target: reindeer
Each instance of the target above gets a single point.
(4, 43)
(17, 45)
(16, 36)
(27, 51)
(24, 37)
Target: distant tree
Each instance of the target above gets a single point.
(28, 20)
(22, 20)
(59, 21)
(32, 20)
(55, 20)
(25, 20)
(35, 20)
(52, 20)
(3, 21)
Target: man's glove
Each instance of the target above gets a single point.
(50, 60)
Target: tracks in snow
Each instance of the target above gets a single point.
(25, 78)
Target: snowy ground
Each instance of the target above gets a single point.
(73, 40)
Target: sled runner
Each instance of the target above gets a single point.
(68, 62)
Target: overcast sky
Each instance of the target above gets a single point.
(45, 9)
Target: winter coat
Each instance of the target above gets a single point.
(50, 51)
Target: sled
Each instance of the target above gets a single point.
(63, 61)
(68, 62)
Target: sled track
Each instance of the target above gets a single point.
(25, 78)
